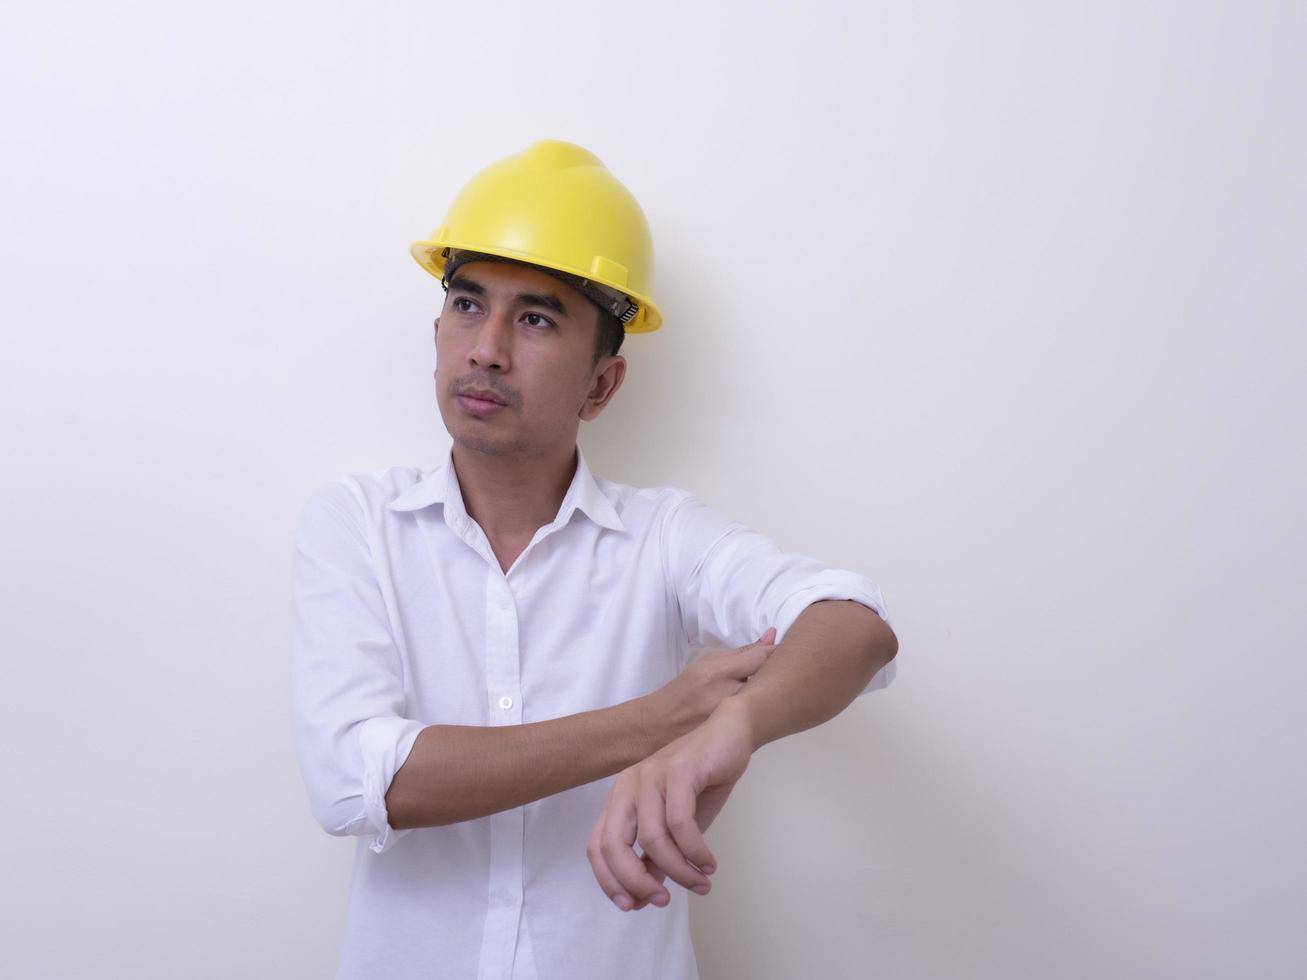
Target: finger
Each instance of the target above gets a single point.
(658, 843)
(616, 844)
(658, 873)
(748, 660)
(681, 805)
(609, 884)
(604, 874)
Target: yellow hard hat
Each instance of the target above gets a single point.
(554, 205)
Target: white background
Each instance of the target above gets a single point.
(1001, 305)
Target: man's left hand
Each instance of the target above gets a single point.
(664, 803)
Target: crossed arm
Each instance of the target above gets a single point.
(667, 800)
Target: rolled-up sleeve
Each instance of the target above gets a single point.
(732, 582)
(347, 677)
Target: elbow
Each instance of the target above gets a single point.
(394, 809)
(353, 817)
(352, 779)
(886, 649)
(346, 811)
(883, 642)
(888, 643)
(340, 816)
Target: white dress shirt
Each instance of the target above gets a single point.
(403, 618)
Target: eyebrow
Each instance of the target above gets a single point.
(547, 300)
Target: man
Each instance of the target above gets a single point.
(509, 673)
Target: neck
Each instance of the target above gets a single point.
(513, 496)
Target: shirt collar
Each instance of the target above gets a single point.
(440, 486)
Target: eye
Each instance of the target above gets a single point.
(462, 299)
(543, 321)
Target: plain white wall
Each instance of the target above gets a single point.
(1002, 305)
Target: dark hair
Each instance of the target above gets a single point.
(609, 336)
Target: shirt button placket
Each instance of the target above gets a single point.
(503, 682)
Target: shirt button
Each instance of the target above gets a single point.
(505, 702)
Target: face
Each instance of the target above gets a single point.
(527, 340)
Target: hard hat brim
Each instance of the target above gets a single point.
(429, 254)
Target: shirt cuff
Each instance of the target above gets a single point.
(385, 744)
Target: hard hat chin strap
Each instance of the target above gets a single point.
(604, 297)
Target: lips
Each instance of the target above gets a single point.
(482, 394)
(480, 403)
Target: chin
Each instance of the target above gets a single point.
(490, 446)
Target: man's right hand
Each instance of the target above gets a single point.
(685, 702)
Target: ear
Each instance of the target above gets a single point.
(605, 385)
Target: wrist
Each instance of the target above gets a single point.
(651, 725)
(737, 712)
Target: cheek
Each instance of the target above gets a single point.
(446, 350)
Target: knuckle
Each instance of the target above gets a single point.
(679, 824)
(648, 839)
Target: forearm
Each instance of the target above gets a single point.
(460, 772)
(828, 656)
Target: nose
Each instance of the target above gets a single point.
(492, 349)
